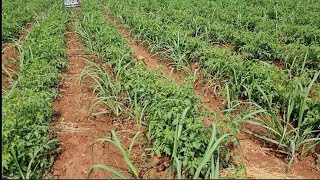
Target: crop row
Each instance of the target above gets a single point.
(249, 79)
(28, 149)
(276, 19)
(260, 34)
(171, 112)
(16, 14)
(262, 38)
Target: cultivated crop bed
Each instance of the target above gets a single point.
(258, 62)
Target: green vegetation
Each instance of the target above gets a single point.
(28, 150)
(125, 153)
(175, 30)
(174, 123)
(219, 63)
(150, 22)
(290, 139)
(16, 14)
(269, 30)
(264, 55)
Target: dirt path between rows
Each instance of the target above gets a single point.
(10, 57)
(259, 162)
(262, 162)
(75, 126)
(210, 101)
(141, 53)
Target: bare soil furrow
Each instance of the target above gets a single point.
(251, 153)
(75, 126)
(141, 53)
(211, 101)
(10, 57)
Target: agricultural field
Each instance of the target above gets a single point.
(161, 89)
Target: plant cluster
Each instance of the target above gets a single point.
(28, 150)
(171, 112)
(183, 31)
(16, 14)
(163, 31)
(291, 137)
(270, 31)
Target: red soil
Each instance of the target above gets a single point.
(258, 162)
(262, 162)
(209, 100)
(141, 53)
(10, 56)
(76, 128)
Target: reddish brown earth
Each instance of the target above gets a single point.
(78, 129)
(262, 162)
(279, 63)
(258, 162)
(141, 53)
(210, 101)
(210, 98)
(75, 126)
(10, 56)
